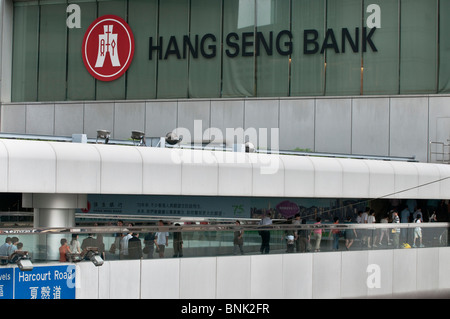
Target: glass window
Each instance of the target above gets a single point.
(205, 65)
(381, 67)
(308, 65)
(343, 62)
(172, 69)
(142, 74)
(80, 84)
(52, 53)
(238, 48)
(114, 90)
(238, 72)
(273, 45)
(418, 57)
(25, 48)
(444, 48)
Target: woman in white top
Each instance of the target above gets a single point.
(384, 231)
(371, 220)
(418, 231)
(75, 247)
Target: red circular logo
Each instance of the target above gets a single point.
(87, 209)
(108, 48)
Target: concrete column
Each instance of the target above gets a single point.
(52, 211)
(54, 217)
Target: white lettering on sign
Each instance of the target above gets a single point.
(46, 276)
(23, 276)
(107, 43)
(374, 19)
(74, 19)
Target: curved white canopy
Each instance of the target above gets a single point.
(73, 168)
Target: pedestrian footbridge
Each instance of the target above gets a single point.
(210, 267)
(55, 179)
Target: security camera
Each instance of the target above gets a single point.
(173, 139)
(249, 147)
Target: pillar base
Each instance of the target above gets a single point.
(52, 211)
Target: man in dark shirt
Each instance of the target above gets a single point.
(134, 247)
(90, 241)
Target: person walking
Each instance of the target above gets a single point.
(161, 240)
(395, 231)
(318, 233)
(336, 233)
(238, 239)
(177, 243)
(265, 234)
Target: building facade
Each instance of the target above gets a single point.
(367, 77)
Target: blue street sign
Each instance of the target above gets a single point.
(6, 283)
(49, 282)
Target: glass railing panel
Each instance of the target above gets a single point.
(114, 243)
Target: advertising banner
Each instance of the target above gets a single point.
(220, 207)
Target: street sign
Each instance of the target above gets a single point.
(6, 283)
(47, 282)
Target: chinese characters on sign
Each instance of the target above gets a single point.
(49, 282)
(192, 206)
(6, 283)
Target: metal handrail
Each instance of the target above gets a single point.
(445, 155)
(203, 146)
(215, 227)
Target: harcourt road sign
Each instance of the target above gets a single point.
(6, 283)
(47, 282)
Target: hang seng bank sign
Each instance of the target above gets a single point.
(251, 44)
(108, 44)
